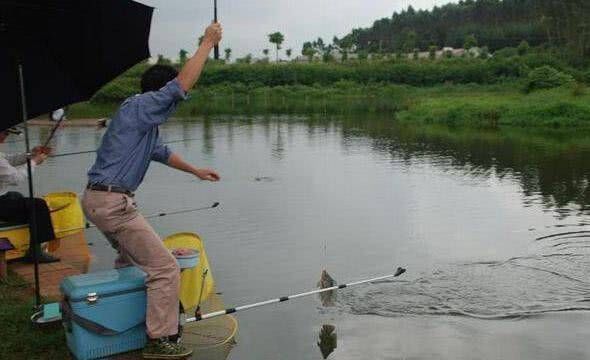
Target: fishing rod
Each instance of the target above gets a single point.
(54, 130)
(216, 48)
(198, 317)
(74, 153)
(160, 214)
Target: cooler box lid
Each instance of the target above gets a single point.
(103, 283)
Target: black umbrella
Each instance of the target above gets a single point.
(68, 50)
(57, 52)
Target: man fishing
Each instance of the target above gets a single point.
(129, 145)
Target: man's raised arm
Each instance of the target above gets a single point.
(190, 73)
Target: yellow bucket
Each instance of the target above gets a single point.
(66, 213)
(191, 280)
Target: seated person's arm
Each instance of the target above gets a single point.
(16, 159)
(21, 158)
(13, 175)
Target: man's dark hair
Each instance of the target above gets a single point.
(156, 77)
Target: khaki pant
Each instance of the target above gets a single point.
(132, 236)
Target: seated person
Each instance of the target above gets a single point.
(14, 207)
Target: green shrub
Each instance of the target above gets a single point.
(586, 77)
(579, 89)
(506, 52)
(523, 48)
(546, 77)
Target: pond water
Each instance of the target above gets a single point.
(493, 227)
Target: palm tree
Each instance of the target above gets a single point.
(276, 38)
(227, 54)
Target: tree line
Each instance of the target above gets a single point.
(495, 24)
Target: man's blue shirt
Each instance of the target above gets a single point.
(132, 141)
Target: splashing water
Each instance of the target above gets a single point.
(553, 280)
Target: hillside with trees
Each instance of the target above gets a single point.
(495, 24)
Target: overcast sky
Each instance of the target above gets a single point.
(178, 23)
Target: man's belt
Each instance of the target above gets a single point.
(110, 188)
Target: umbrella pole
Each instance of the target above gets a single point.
(32, 216)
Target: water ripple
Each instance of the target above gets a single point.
(519, 287)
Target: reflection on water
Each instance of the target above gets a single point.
(552, 167)
(490, 224)
(328, 340)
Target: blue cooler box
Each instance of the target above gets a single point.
(104, 312)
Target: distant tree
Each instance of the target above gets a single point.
(227, 54)
(523, 48)
(344, 45)
(308, 51)
(470, 42)
(289, 52)
(410, 38)
(319, 45)
(265, 52)
(327, 55)
(182, 56)
(276, 38)
(432, 52)
(245, 60)
(163, 61)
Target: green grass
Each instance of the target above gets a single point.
(492, 107)
(19, 339)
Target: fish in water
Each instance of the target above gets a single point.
(328, 340)
(326, 281)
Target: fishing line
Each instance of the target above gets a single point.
(164, 142)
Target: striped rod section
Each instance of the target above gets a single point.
(397, 273)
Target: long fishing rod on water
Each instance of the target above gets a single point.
(198, 317)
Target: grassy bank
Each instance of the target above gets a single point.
(474, 106)
(506, 89)
(470, 104)
(19, 339)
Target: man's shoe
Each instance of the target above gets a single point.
(44, 258)
(163, 348)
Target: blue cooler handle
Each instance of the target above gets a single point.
(68, 316)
